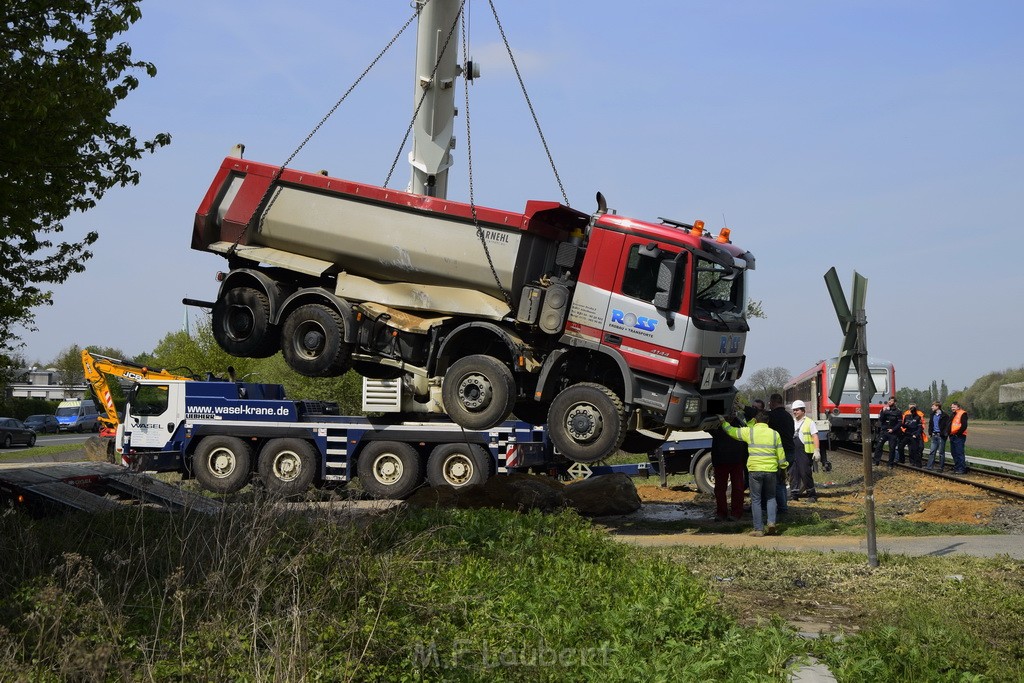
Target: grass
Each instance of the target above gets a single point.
(995, 455)
(16, 453)
(910, 619)
(260, 594)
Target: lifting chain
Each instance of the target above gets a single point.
(469, 165)
(526, 96)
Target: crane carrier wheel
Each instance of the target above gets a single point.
(389, 469)
(287, 466)
(458, 464)
(222, 464)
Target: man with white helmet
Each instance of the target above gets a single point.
(808, 449)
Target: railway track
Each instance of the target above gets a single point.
(1000, 483)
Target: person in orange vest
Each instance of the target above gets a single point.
(958, 437)
(915, 429)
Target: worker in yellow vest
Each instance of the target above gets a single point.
(765, 458)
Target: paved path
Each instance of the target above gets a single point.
(979, 546)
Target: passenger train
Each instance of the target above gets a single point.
(841, 422)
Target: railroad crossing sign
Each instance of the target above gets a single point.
(851, 317)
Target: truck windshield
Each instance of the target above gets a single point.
(149, 399)
(718, 295)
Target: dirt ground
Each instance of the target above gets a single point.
(899, 494)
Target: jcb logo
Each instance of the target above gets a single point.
(630, 320)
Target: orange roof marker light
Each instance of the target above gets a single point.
(723, 236)
(698, 228)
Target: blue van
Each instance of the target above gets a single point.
(77, 416)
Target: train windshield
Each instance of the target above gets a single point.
(880, 376)
(719, 295)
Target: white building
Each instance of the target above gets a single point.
(43, 383)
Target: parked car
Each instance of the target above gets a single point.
(42, 424)
(14, 431)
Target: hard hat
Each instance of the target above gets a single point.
(798, 404)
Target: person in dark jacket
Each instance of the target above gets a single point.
(958, 437)
(913, 426)
(888, 432)
(729, 460)
(781, 421)
(938, 428)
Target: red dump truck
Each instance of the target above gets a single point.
(609, 329)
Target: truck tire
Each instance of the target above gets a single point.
(704, 474)
(478, 392)
(287, 467)
(313, 342)
(458, 464)
(222, 464)
(389, 469)
(586, 422)
(241, 324)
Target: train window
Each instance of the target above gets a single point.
(879, 376)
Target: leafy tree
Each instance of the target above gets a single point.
(61, 75)
(765, 382)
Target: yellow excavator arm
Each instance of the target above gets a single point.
(96, 367)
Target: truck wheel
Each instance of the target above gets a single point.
(287, 466)
(458, 464)
(241, 324)
(586, 421)
(389, 469)
(313, 342)
(704, 474)
(221, 464)
(478, 392)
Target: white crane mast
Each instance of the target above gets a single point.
(437, 41)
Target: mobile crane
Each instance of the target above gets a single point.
(96, 367)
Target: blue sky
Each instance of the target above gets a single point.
(878, 136)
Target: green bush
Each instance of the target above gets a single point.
(259, 593)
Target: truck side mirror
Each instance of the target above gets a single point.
(670, 291)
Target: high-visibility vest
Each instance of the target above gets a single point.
(806, 436)
(954, 425)
(924, 423)
(764, 448)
